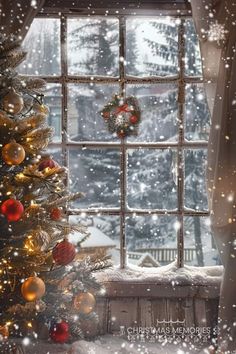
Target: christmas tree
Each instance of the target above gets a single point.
(43, 281)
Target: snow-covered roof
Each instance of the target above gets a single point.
(96, 239)
(138, 258)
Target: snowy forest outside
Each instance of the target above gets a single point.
(151, 50)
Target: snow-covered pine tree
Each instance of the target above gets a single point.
(36, 286)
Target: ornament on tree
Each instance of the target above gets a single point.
(12, 102)
(84, 303)
(56, 214)
(122, 116)
(59, 332)
(47, 163)
(63, 253)
(12, 209)
(13, 153)
(4, 333)
(33, 289)
(37, 241)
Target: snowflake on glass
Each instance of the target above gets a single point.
(217, 32)
(122, 116)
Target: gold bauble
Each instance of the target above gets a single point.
(84, 303)
(13, 103)
(33, 289)
(4, 333)
(13, 153)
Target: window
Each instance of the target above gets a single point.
(145, 193)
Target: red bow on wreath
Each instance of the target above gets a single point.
(123, 108)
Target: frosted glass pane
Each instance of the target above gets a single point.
(53, 100)
(85, 101)
(152, 179)
(159, 112)
(96, 173)
(151, 46)
(93, 46)
(151, 240)
(195, 179)
(193, 63)
(197, 114)
(198, 236)
(42, 43)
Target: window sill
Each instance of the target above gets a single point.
(167, 281)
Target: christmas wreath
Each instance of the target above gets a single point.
(122, 116)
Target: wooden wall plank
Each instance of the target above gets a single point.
(189, 312)
(102, 312)
(123, 312)
(145, 311)
(200, 312)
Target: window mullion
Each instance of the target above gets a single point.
(180, 156)
(64, 116)
(122, 146)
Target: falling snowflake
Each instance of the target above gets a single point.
(217, 32)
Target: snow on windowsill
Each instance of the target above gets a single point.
(169, 274)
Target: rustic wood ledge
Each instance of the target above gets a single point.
(167, 281)
(158, 290)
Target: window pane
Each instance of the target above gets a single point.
(104, 236)
(151, 179)
(56, 154)
(159, 110)
(42, 44)
(151, 46)
(53, 101)
(96, 173)
(85, 101)
(195, 183)
(193, 64)
(151, 240)
(199, 242)
(93, 46)
(197, 114)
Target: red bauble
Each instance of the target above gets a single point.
(63, 253)
(56, 214)
(12, 209)
(133, 119)
(47, 163)
(59, 332)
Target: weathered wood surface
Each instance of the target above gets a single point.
(142, 289)
(133, 306)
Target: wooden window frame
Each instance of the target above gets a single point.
(180, 79)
